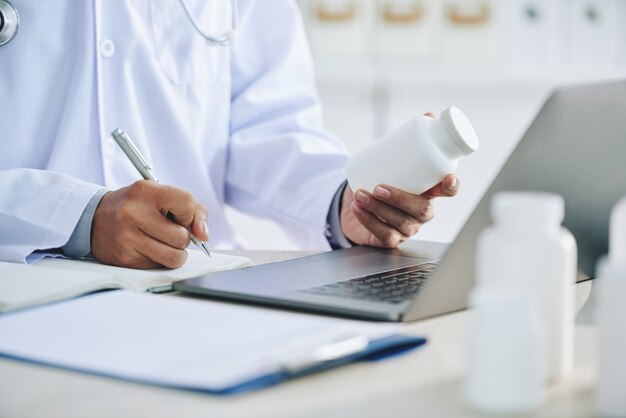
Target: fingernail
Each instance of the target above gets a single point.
(205, 227)
(382, 192)
(453, 184)
(362, 197)
(355, 208)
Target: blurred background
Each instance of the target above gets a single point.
(381, 62)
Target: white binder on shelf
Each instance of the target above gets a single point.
(338, 28)
(534, 34)
(407, 29)
(592, 33)
(472, 29)
(621, 36)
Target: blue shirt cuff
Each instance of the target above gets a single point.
(334, 233)
(79, 244)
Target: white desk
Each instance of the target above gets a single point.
(426, 382)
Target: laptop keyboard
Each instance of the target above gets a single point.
(392, 287)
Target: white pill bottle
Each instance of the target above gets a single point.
(528, 250)
(506, 351)
(416, 155)
(610, 398)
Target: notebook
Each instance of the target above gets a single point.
(53, 279)
(191, 344)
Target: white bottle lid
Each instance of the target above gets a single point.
(459, 130)
(538, 208)
(617, 235)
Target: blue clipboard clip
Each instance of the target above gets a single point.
(308, 359)
(305, 359)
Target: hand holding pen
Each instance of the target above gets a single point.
(140, 163)
(147, 225)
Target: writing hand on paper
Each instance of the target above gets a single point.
(146, 225)
(390, 216)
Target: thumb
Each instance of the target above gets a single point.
(448, 187)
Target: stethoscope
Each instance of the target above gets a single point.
(10, 23)
(225, 39)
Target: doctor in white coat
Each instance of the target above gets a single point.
(233, 124)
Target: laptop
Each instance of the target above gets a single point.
(575, 147)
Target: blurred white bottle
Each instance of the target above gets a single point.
(611, 396)
(416, 155)
(505, 351)
(527, 249)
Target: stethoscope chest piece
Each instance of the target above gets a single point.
(9, 22)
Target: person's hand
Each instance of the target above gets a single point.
(390, 216)
(146, 225)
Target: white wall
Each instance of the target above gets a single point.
(374, 75)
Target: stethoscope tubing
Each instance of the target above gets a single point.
(225, 39)
(10, 23)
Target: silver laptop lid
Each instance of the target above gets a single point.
(576, 147)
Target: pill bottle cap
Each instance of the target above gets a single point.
(459, 130)
(527, 208)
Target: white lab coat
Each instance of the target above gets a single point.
(233, 125)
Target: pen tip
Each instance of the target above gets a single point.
(206, 250)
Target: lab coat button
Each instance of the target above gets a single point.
(107, 48)
(109, 147)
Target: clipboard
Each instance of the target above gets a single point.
(181, 343)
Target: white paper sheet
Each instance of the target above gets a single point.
(168, 340)
(197, 263)
(54, 279)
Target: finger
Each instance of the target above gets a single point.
(160, 228)
(179, 204)
(405, 223)
(161, 254)
(415, 205)
(134, 259)
(430, 115)
(199, 227)
(448, 187)
(126, 251)
(383, 235)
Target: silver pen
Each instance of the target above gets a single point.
(145, 169)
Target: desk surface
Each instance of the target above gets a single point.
(426, 382)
